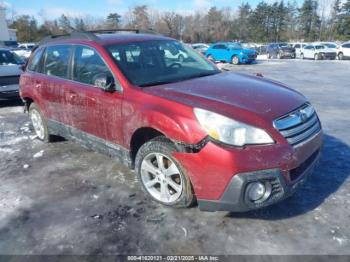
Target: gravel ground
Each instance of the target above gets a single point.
(60, 198)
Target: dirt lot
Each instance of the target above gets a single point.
(60, 198)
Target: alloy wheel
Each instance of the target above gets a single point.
(37, 124)
(161, 178)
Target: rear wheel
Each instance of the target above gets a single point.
(161, 175)
(235, 60)
(39, 123)
(340, 56)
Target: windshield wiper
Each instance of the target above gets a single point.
(156, 83)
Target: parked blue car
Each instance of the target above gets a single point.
(230, 52)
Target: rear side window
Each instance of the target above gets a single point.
(88, 65)
(34, 63)
(219, 47)
(57, 60)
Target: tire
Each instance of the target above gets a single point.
(279, 56)
(302, 56)
(341, 56)
(181, 58)
(156, 177)
(235, 60)
(268, 56)
(39, 123)
(316, 57)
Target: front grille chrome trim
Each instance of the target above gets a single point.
(299, 125)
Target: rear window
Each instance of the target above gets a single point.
(56, 60)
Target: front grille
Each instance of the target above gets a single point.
(297, 172)
(299, 125)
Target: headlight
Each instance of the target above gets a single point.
(230, 131)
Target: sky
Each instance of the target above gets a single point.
(101, 8)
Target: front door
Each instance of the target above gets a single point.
(94, 111)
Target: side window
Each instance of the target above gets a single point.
(56, 60)
(346, 46)
(219, 47)
(88, 66)
(34, 63)
(297, 46)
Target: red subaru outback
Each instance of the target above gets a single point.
(230, 141)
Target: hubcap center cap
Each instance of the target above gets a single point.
(161, 176)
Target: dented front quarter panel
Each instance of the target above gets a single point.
(174, 120)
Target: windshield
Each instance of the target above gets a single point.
(319, 47)
(283, 45)
(7, 58)
(235, 46)
(159, 62)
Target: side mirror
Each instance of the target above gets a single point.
(105, 82)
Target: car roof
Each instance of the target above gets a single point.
(107, 39)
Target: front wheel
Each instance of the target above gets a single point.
(161, 175)
(39, 123)
(317, 57)
(235, 60)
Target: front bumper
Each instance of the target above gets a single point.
(235, 197)
(221, 175)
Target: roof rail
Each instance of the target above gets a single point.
(73, 35)
(91, 35)
(121, 30)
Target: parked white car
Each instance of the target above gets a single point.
(317, 52)
(29, 46)
(343, 51)
(24, 50)
(299, 48)
(330, 45)
(179, 56)
(10, 70)
(200, 48)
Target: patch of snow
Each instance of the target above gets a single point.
(25, 166)
(39, 154)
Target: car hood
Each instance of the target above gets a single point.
(232, 93)
(10, 70)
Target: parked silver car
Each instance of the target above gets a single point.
(10, 70)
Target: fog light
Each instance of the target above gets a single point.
(256, 191)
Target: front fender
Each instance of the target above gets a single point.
(176, 121)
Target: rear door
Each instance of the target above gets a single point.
(93, 110)
(54, 82)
